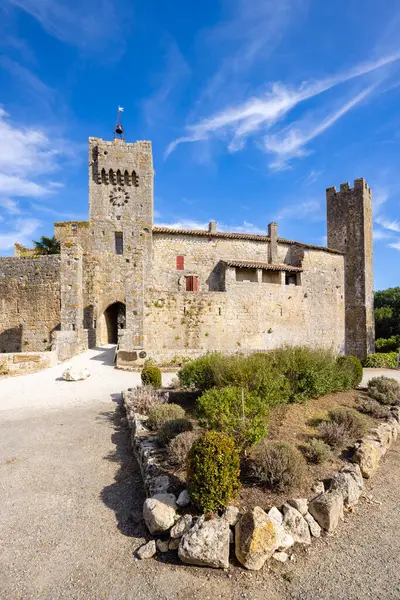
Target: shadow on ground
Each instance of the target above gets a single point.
(126, 495)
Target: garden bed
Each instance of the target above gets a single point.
(259, 447)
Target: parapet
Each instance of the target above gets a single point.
(359, 184)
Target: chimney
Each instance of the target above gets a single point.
(212, 227)
(273, 244)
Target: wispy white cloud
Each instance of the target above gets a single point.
(235, 124)
(176, 71)
(391, 225)
(10, 206)
(395, 245)
(22, 232)
(290, 142)
(94, 25)
(380, 234)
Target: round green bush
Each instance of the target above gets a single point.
(385, 390)
(171, 429)
(316, 451)
(179, 446)
(277, 465)
(163, 413)
(151, 375)
(354, 423)
(372, 407)
(213, 469)
(351, 365)
(391, 344)
(243, 418)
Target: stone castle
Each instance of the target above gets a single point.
(165, 293)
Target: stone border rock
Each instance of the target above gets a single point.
(256, 534)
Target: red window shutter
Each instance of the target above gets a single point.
(189, 283)
(180, 263)
(195, 285)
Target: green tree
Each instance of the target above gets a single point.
(387, 312)
(47, 245)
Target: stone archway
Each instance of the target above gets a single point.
(111, 321)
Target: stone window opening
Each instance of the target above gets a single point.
(180, 263)
(74, 227)
(192, 283)
(119, 242)
(246, 275)
(292, 279)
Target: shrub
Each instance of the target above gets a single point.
(333, 434)
(344, 427)
(145, 398)
(384, 389)
(353, 422)
(352, 366)
(199, 373)
(213, 471)
(222, 410)
(277, 465)
(369, 406)
(316, 451)
(311, 373)
(163, 413)
(151, 374)
(391, 344)
(381, 360)
(179, 447)
(171, 429)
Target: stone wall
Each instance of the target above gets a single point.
(20, 363)
(349, 216)
(254, 315)
(29, 303)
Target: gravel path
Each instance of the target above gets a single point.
(68, 486)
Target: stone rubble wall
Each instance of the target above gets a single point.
(29, 303)
(257, 535)
(249, 316)
(20, 363)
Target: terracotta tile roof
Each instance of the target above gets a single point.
(246, 264)
(239, 236)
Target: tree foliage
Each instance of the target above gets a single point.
(387, 312)
(47, 245)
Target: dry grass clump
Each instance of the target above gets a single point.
(371, 407)
(145, 398)
(179, 447)
(277, 465)
(316, 451)
(385, 390)
(171, 429)
(344, 427)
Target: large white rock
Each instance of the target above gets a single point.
(181, 526)
(148, 550)
(206, 544)
(315, 529)
(300, 504)
(327, 509)
(255, 538)
(350, 483)
(295, 525)
(367, 454)
(159, 512)
(71, 374)
(231, 514)
(283, 539)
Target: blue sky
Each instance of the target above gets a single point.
(254, 109)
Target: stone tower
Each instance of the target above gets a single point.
(349, 218)
(121, 221)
